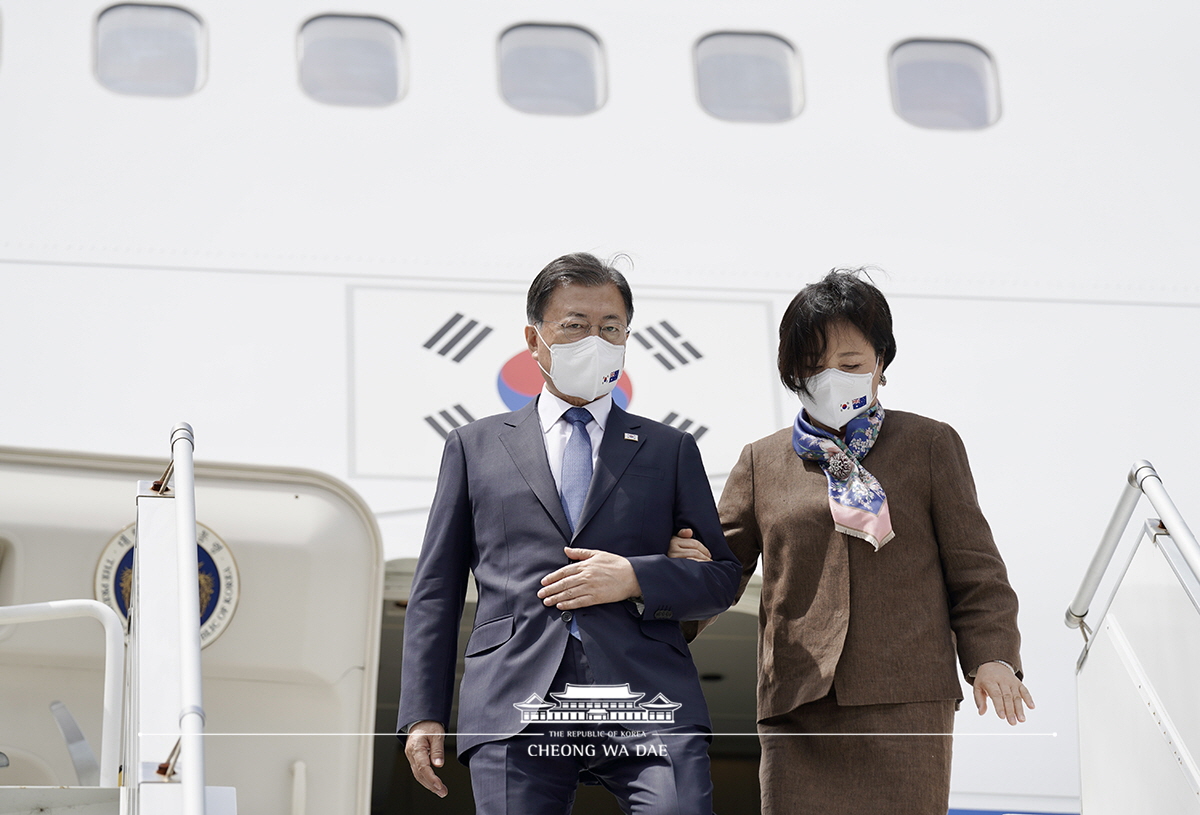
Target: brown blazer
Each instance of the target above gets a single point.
(879, 627)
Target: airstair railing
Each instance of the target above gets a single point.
(191, 716)
(114, 666)
(1143, 480)
(167, 740)
(1139, 612)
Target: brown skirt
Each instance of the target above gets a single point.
(843, 773)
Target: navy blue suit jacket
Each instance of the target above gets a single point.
(497, 514)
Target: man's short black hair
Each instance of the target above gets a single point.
(842, 295)
(577, 268)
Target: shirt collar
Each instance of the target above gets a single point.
(550, 409)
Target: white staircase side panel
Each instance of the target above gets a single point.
(1139, 727)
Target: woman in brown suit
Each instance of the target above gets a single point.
(877, 566)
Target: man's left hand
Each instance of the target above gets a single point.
(595, 577)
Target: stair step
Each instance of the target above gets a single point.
(60, 800)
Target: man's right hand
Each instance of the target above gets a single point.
(425, 749)
(684, 545)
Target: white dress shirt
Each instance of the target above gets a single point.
(556, 430)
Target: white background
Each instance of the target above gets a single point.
(199, 258)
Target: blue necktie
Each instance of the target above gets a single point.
(576, 474)
(576, 465)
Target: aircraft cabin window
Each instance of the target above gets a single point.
(552, 69)
(354, 61)
(149, 50)
(944, 85)
(748, 77)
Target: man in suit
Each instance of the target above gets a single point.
(563, 511)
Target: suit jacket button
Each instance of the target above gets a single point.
(662, 614)
(567, 616)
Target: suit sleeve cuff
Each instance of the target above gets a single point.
(1008, 665)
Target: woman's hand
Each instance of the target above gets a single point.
(996, 681)
(684, 545)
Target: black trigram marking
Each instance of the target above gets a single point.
(445, 420)
(666, 340)
(686, 425)
(462, 333)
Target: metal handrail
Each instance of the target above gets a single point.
(1143, 480)
(114, 666)
(191, 716)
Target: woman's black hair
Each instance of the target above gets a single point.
(842, 295)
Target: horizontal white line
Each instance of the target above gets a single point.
(653, 291)
(653, 730)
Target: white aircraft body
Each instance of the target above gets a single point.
(308, 233)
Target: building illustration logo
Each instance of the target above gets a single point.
(597, 703)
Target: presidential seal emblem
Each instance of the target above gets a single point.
(216, 573)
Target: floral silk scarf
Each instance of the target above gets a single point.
(856, 497)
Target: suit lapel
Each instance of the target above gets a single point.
(522, 437)
(616, 451)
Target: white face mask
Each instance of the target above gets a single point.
(837, 396)
(587, 368)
